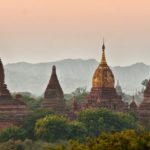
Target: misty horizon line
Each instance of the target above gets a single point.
(72, 59)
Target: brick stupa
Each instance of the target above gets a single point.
(54, 96)
(12, 111)
(103, 92)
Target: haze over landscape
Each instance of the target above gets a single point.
(72, 73)
(45, 31)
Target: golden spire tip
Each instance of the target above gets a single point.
(103, 47)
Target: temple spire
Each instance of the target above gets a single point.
(4, 92)
(103, 59)
(54, 69)
(54, 83)
(2, 78)
(103, 46)
(54, 96)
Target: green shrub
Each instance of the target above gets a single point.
(30, 121)
(52, 128)
(100, 120)
(13, 133)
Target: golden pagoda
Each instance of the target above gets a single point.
(103, 76)
(103, 92)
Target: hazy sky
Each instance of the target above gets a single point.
(49, 30)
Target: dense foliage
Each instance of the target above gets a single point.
(100, 120)
(54, 128)
(90, 123)
(29, 122)
(47, 126)
(14, 133)
(77, 130)
(125, 140)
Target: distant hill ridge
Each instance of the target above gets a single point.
(72, 73)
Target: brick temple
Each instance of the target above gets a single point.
(103, 92)
(12, 111)
(54, 96)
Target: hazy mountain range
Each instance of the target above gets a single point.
(72, 73)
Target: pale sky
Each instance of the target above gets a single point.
(48, 30)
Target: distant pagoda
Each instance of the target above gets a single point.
(119, 89)
(12, 111)
(103, 93)
(133, 105)
(54, 96)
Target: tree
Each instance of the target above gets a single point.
(145, 82)
(30, 100)
(80, 93)
(30, 120)
(52, 128)
(77, 130)
(126, 140)
(93, 122)
(13, 133)
(100, 120)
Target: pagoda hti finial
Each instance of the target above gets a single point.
(103, 47)
(103, 59)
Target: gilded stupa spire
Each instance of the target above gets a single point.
(103, 59)
(103, 76)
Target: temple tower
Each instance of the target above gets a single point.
(103, 92)
(4, 92)
(54, 96)
(12, 111)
